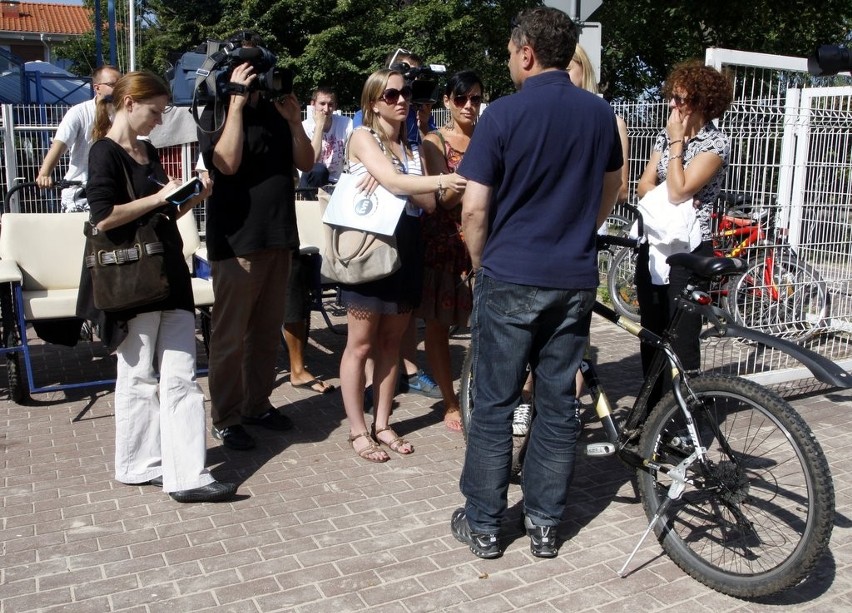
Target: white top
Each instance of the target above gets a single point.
(75, 130)
(333, 142)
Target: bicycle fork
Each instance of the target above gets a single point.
(678, 477)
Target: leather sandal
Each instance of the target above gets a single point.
(371, 449)
(396, 444)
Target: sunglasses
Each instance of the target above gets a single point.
(461, 100)
(391, 95)
(679, 100)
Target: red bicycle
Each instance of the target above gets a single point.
(777, 294)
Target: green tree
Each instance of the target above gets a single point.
(644, 39)
(341, 42)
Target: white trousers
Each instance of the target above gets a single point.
(160, 428)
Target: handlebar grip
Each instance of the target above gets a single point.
(62, 183)
(605, 240)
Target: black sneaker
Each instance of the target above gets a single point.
(482, 545)
(368, 398)
(542, 539)
(234, 437)
(273, 419)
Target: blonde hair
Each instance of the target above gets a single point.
(589, 81)
(139, 86)
(373, 88)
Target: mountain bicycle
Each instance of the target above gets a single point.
(733, 481)
(778, 293)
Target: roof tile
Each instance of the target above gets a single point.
(44, 17)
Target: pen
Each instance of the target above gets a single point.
(154, 179)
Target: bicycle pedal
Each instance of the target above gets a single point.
(599, 450)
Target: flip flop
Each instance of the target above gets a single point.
(452, 420)
(315, 385)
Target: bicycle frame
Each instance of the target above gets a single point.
(751, 231)
(696, 301)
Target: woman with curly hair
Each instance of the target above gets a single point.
(691, 156)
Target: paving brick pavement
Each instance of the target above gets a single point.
(316, 529)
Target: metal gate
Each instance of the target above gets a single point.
(791, 156)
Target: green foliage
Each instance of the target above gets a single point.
(644, 39)
(339, 42)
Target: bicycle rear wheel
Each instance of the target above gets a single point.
(18, 389)
(757, 516)
(621, 283)
(781, 296)
(466, 394)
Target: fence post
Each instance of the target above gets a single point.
(9, 153)
(801, 129)
(787, 164)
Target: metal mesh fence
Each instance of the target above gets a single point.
(791, 164)
(790, 161)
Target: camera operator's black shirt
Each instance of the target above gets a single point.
(253, 209)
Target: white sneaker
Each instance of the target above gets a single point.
(521, 420)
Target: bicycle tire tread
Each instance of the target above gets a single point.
(801, 562)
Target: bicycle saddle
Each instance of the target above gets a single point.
(705, 266)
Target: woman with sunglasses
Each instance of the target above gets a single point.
(159, 421)
(447, 299)
(691, 156)
(378, 312)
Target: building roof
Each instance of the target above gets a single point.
(43, 18)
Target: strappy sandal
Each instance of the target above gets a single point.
(396, 444)
(366, 451)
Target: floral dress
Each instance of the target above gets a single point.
(446, 297)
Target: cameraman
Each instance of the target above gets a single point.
(251, 232)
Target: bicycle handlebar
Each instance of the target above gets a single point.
(606, 240)
(60, 184)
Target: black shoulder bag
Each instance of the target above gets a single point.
(127, 264)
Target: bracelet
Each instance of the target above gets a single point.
(672, 142)
(439, 193)
(675, 157)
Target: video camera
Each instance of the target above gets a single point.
(203, 77)
(423, 80)
(213, 77)
(828, 60)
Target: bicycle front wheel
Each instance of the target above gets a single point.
(465, 392)
(466, 396)
(616, 225)
(621, 283)
(781, 296)
(757, 514)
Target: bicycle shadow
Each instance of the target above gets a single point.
(600, 482)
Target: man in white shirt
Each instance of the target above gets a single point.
(328, 142)
(75, 135)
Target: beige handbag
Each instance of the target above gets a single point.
(355, 256)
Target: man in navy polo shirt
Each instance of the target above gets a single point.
(543, 172)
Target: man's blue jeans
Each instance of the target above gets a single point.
(512, 326)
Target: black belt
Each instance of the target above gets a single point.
(123, 256)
